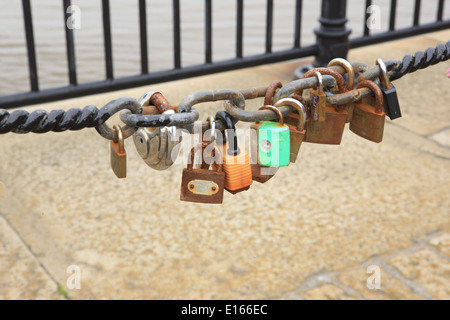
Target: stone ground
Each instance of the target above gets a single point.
(323, 228)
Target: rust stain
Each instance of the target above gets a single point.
(159, 101)
(271, 90)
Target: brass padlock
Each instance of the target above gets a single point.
(119, 155)
(350, 83)
(368, 121)
(203, 185)
(297, 133)
(329, 131)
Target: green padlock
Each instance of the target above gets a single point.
(273, 142)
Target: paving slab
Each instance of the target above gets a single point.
(428, 269)
(21, 275)
(133, 238)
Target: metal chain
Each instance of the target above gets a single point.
(421, 60)
(40, 121)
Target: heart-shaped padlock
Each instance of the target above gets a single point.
(157, 146)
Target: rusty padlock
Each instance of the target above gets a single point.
(297, 133)
(329, 131)
(203, 185)
(350, 83)
(368, 121)
(119, 155)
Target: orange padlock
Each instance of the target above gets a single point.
(236, 161)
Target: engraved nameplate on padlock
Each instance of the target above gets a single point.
(203, 187)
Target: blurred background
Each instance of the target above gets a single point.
(51, 49)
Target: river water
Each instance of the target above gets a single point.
(50, 37)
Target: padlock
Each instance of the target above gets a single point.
(368, 121)
(391, 103)
(350, 83)
(329, 131)
(202, 185)
(236, 161)
(273, 141)
(260, 173)
(119, 155)
(157, 146)
(297, 133)
(318, 101)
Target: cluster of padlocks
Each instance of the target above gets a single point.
(226, 166)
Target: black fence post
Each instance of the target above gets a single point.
(332, 35)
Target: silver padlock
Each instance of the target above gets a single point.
(158, 146)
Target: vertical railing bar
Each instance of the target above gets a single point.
(208, 31)
(366, 17)
(239, 28)
(416, 13)
(143, 36)
(176, 34)
(298, 23)
(440, 12)
(107, 39)
(269, 26)
(31, 50)
(70, 44)
(392, 15)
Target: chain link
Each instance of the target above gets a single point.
(40, 121)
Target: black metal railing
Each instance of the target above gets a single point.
(332, 40)
(393, 33)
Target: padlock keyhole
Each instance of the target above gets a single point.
(266, 145)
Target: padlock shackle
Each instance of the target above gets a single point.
(297, 105)
(271, 91)
(231, 129)
(348, 68)
(318, 75)
(212, 128)
(201, 147)
(376, 91)
(383, 75)
(120, 139)
(277, 111)
(336, 75)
